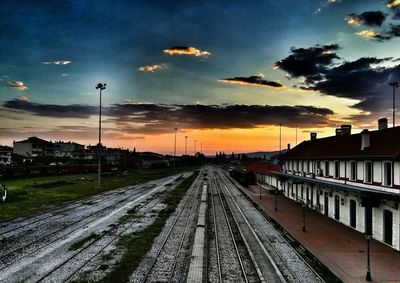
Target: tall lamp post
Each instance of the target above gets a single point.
(100, 87)
(304, 205)
(186, 145)
(368, 276)
(280, 138)
(195, 141)
(186, 151)
(394, 85)
(175, 129)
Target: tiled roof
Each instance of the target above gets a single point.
(263, 167)
(383, 143)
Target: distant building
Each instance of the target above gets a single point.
(353, 179)
(33, 147)
(6, 155)
(116, 155)
(68, 149)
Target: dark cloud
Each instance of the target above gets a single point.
(391, 32)
(252, 80)
(369, 18)
(308, 62)
(50, 110)
(134, 118)
(365, 79)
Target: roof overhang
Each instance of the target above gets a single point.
(362, 192)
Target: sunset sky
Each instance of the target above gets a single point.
(225, 73)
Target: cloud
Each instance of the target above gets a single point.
(308, 62)
(22, 98)
(392, 4)
(50, 110)
(184, 50)
(152, 68)
(392, 32)
(369, 18)
(365, 80)
(17, 85)
(151, 118)
(369, 33)
(353, 20)
(252, 80)
(62, 62)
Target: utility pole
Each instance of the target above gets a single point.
(186, 151)
(186, 145)
(394, 85)
(280, 138)
(296, 134)
(175, 129)
(100, 87)
(195, 141)
(201, 147)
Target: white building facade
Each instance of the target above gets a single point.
(353, 179)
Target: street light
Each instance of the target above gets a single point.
(280, 138)
(186, 145)
(368, 276)
(195, 141)
(186, 151)
(304, 216)
(394, 85)
(100, 87)
(175, 129)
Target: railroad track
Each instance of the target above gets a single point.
(164, 264)
(234, 263)
(52, 213)
(107, 238)
(12, 260)
(293, 267)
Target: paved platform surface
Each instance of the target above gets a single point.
(342, 249)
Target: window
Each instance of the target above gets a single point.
(308, 167)
(327, 168)
(353, 170)
(337, 169)
(368, 172)
(301, 166)
(387, 173)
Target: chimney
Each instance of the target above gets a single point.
(364, 139)
(346, 129)
(382, 123)
(313, 136)
(288, 146)
(338, 131)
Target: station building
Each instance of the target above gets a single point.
(353, 179)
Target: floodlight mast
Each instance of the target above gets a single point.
(100, 87)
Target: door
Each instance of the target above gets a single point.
(337, 207)
(388, 227)
(368, 220)
(326, 204)
(353, 213)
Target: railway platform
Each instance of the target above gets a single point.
(340, 248)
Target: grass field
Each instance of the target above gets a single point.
(29, 195)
